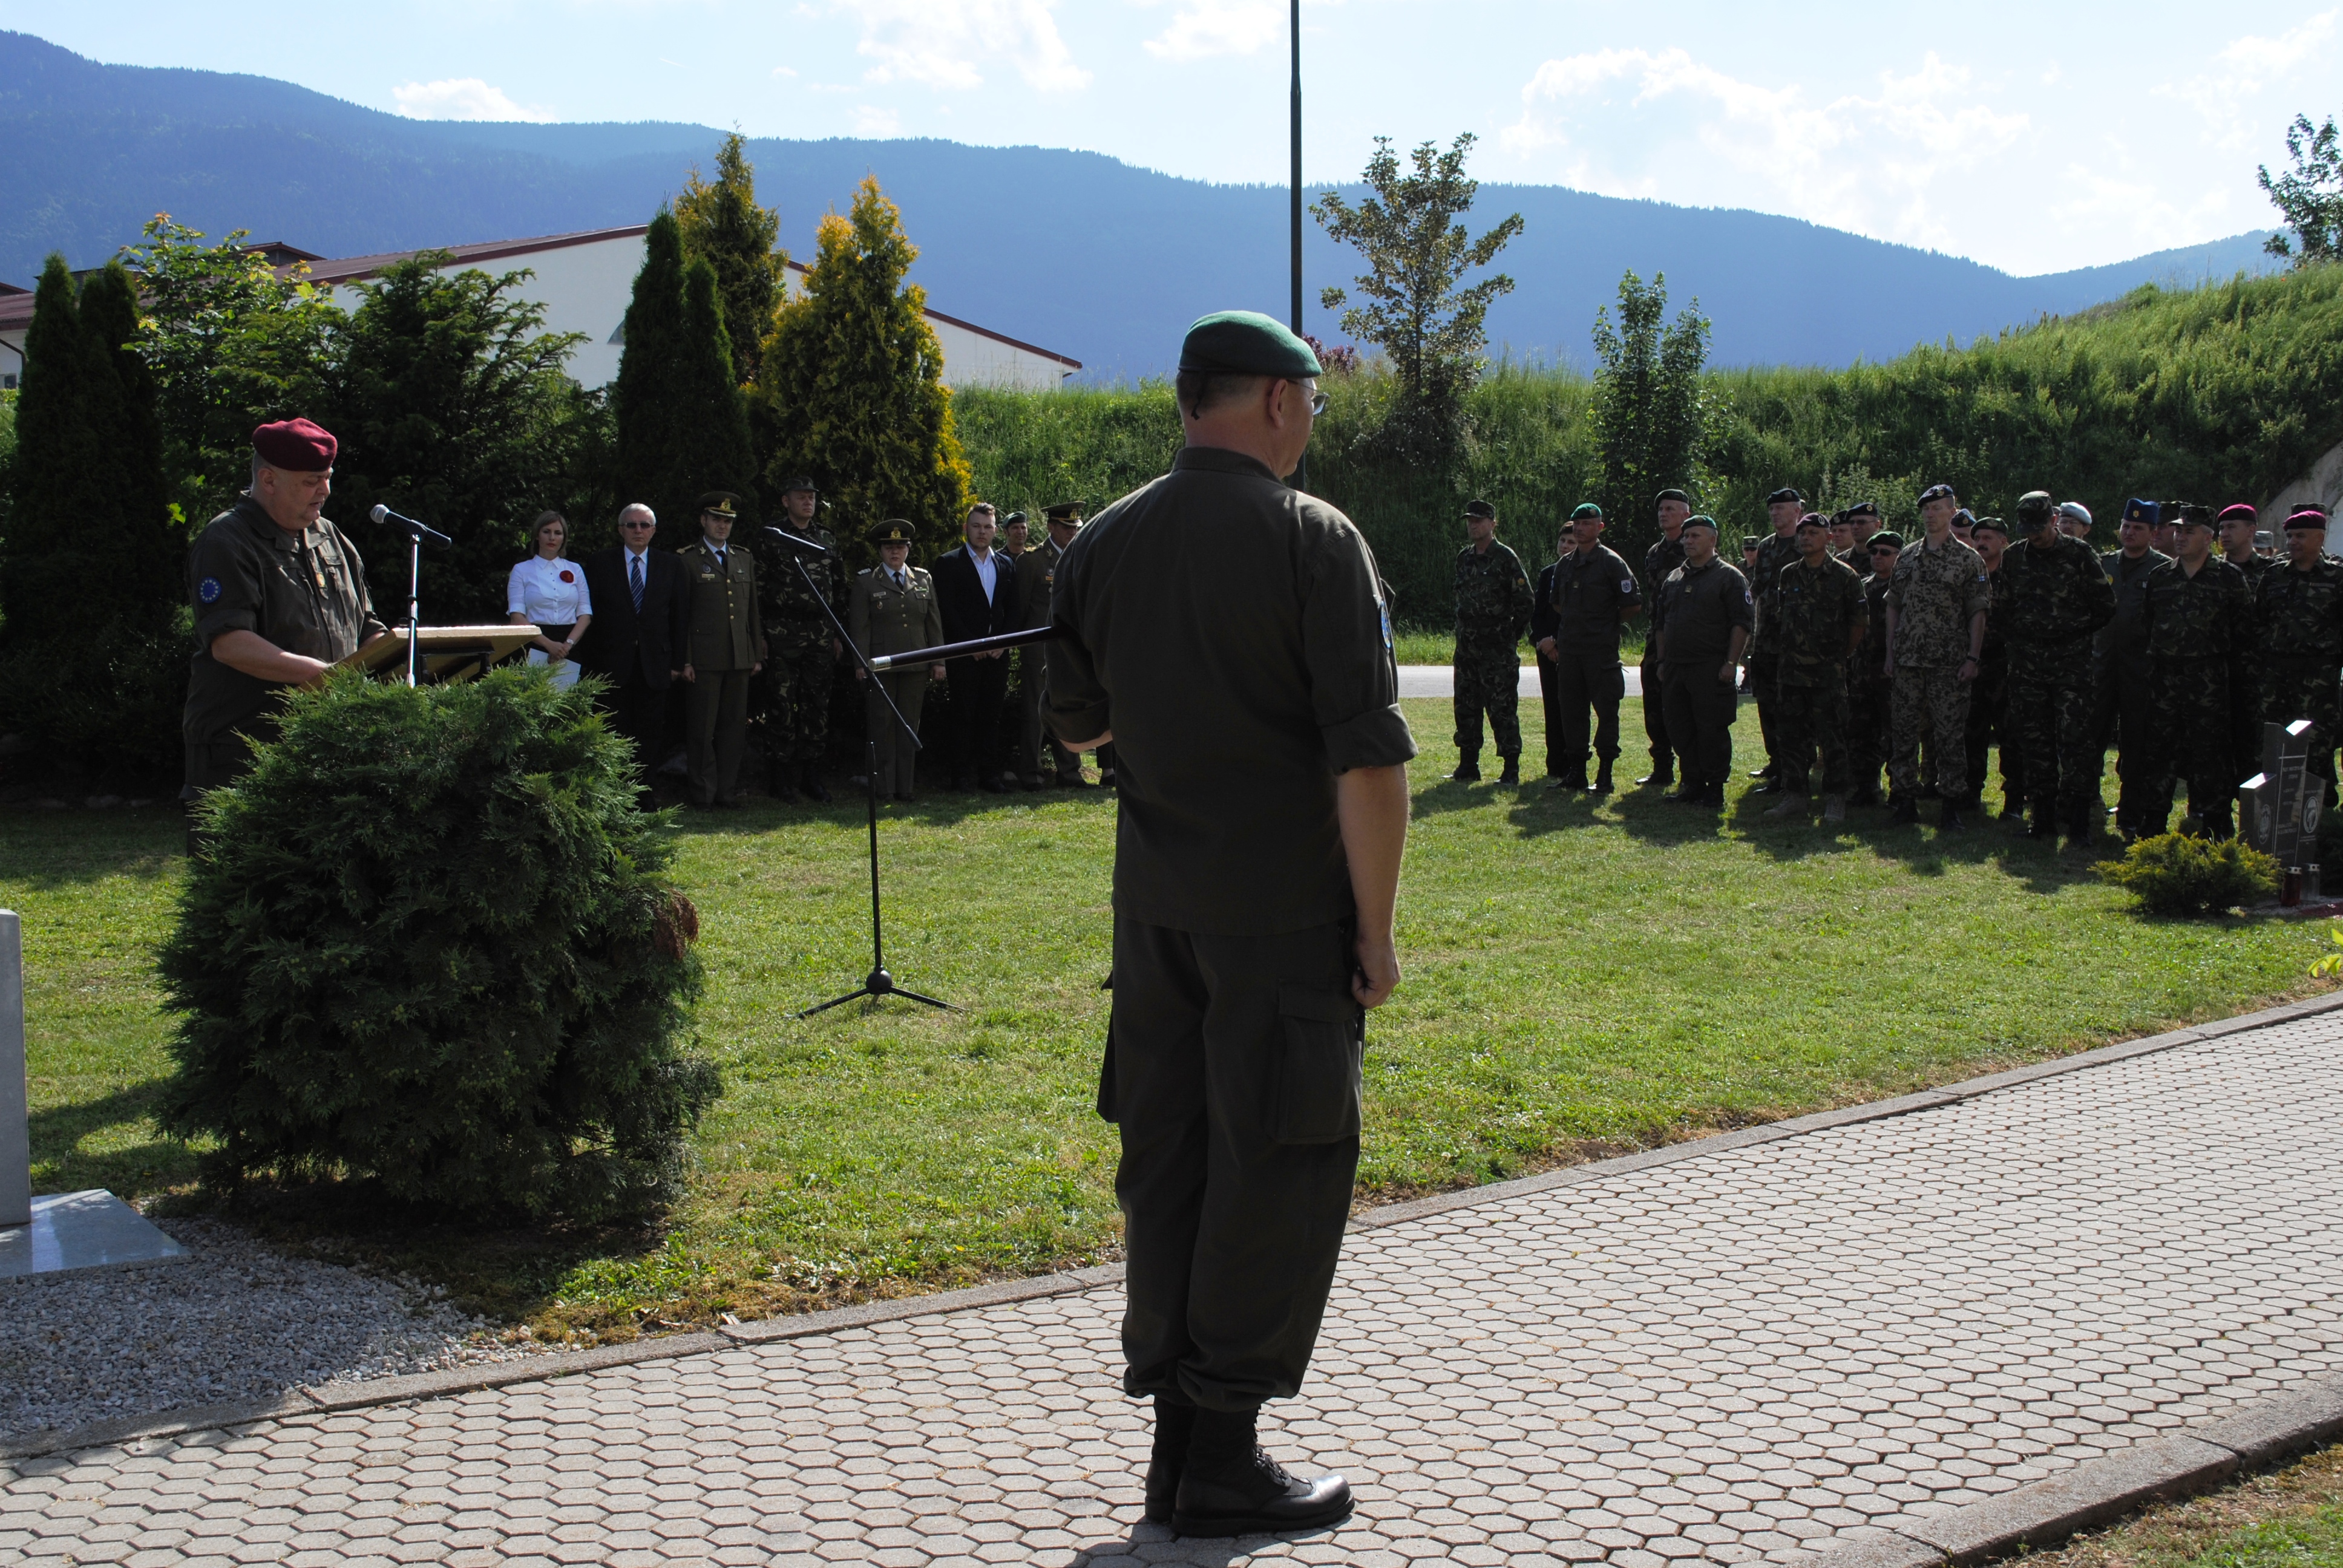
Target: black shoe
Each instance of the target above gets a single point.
(815, 790)
(1569, 783)
(1031, 782)
(991, 786)
(1658, 778)
(778, 784)
(1229, 1487)
(1688, 794)
(1074, 781)
(1602, 778)
(1175, 1427)
(1713, 800)
(1948, 817)
(1468, 768)
(1106, 778)
(2078, 829)
(1765, 772)
(1865, 796)
(1906, 813)
(1512, 773)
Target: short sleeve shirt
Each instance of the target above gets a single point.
(1233, 635)
(1590, 589)
(549, 592)
(1935, 591)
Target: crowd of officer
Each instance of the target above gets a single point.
(1866, 650)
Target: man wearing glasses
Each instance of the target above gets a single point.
(1229, 634)
(636, 642)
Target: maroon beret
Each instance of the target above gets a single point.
(296, 445)
(2238, 509)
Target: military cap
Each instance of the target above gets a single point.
(1672, 494)
(1700, 520)
(1995, 524)
(1246, 343)
(1750, 542)
(1861, 510)
(1066, 512)
(799, 482)
(1012, 519)
(1964, 517)
(2191, 512)
(296, 446)
(723, 503)
(1478, 509)
(1938, 493)
(2037, 504)
(2077, 510)
(1814, 520)
(1584, 510)
(2238, 509)
(1884, 537)
(2307, 517)
(894, 531)
(1787, 493)
(2138, 511)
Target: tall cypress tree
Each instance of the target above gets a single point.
(712, 442)
(721, 225)
(853, 382)
(644, 396)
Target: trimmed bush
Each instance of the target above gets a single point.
(2180, 874)
(428, 941)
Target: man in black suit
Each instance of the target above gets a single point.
(636, 639)
(977, 591)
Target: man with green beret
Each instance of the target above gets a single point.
(801, 645)
(1594, 592)
(2299, 608)
(1666, 554)
(1229, 635)
(1867, 688)
(2051, 598)
(725, 647)
(1819, 624)
(1492, 605)
(1775, 550)
(1704, 620)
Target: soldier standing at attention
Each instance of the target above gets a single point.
(1037, 572)
(1704, 625)
(2120, 707)
(724, 648)
(1594, 592)
(1990, 722)
(2237, 525)
(1029, 682)
(802, 648)
(1231, 636)
(1665, 556)
(1493, 607)
(2058, 597)
(1841, 542)
(1542, 625)
(2299, 607)
(891, 608)
(2197, 621)
(1866, 687)
(1784, 508)
(1937, 605)
(279, 597)
(1819, 622)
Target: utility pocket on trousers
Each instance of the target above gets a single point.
(1319, 1057)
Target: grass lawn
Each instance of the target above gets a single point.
(2289, 1519)
(1579, 978)
(1437, 645)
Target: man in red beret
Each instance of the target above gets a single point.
(279, 596)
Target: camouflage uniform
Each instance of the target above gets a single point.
(1492, 605)
(1774, 552)
(795, 691)
(2121, 707)
(1992, 722)
(1867, 695)
(1937, 591)
(1665, 557)
(2299, 617)
(2197, 631)
(2245, 707)
(2058, 597)
(1816, 610)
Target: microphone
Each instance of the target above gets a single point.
(414, 530)
(803, 547)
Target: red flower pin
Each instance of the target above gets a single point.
(568, 578)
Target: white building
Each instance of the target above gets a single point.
(584, 281)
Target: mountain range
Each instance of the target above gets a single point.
(1074, 251)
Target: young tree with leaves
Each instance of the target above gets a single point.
(2311, 196)
(721, 225)
(852, 382)
(682, 419)
(1648, 412)
(1417, 254)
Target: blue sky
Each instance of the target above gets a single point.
(2032, 136)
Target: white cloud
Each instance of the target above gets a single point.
(876, 122)
(942, 43)
(783, 71)
(1209, 27)
(2225, 94)
(462, 98)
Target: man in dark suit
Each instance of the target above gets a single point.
(636, 641)
(977, 591)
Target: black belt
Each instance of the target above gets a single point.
(554, 633)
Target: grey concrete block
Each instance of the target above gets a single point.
(1888, 1551)
(2047, 1511)
(2283, 1424)
(804, 1326)
(502, 1374)
(169, 1424)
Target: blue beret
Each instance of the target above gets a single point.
(2138, 511)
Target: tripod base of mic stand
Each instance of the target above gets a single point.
(880, 983)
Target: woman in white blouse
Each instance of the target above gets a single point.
(550, 593)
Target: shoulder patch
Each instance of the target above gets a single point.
(208, 590)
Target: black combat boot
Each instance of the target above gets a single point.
(1175, 1426)
(1659, 778)
(1906, 812)
(1512, 773)
(1571, 783)
(1468, 767)
(778, 783)
(1948, 816)
(1602, 776)
(815, 790)
(2078, 826)
(1229, 1487)
(2218, 823)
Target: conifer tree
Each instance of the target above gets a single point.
(682, 422)
(853, 382)
(721, 225)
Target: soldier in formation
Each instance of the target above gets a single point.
(1666, 554)
(2057, 597)
(893, 608)
(1784, 508)
(1867, 687)
(1594, 593)
(724, 648)
(1937, 605)
(2299, 608)
(1493, 608)
(2197, 620)
(1990, 720)
(1705, 619)
(1819, 624)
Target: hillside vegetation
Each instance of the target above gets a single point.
(2222, 393)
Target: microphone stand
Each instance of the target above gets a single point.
(414, 602)
(877, 982)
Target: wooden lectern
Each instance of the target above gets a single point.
(447, 653)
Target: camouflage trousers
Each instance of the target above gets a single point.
(2192, 741)
(2294, 688)
(1488, 674)
(794, 694)
(1765, 682)
(1867, 724)
(1993, 722)
(1931, 700)
(1811, 719)
(2050, 718)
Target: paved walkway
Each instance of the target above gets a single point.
(1735, 1356)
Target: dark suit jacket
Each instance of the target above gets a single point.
(961, 596)
(621, 643)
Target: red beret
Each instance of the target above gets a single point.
(2238, 509)
(296, 445)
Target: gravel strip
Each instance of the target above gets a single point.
(232, 1323)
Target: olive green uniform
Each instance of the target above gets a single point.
(801, 665)
(1816, 610)
(1763, 657)
(724, 642)
(1233, 634)
(305, 592)
(1037, 569)
(1591, 590)
(2198, 630)
(2121, 709)
(1493, 607)
(884, 616)
(2298, 616)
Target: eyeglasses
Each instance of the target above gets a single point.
(637, 523)
(1317, 399)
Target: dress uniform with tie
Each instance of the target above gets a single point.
(724, 645)
(893, 609)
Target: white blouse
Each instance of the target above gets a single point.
(548, 592)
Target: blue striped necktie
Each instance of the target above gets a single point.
(635, 581)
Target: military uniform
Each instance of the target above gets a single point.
(1542, 625)
(1935, 592)
(2057, 597)
(1699, 608)
(305, 592)
(1590, 589)
(2298, 619)
(2245, 700)
(1665, 557)
(1493, 607)
(889, 615)
(1037, 571)
(1867, 696)
(2197, 630)
(801, 669)
(724, 642)
(1816, 610)
(1991, 722)
(1774, 552)
(2122, 707)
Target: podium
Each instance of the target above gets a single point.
(447, 653)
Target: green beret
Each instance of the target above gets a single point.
(1884, 537)
(1585, 509)
(1700, 520)
(1478, 509)
(1995, 524)
(1246, 343)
